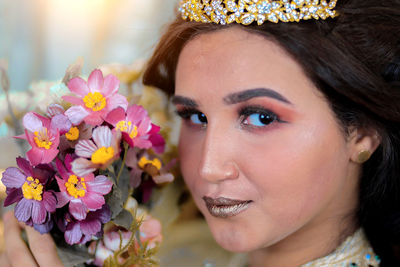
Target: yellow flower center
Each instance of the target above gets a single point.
(144, 161)
(76, 186)
(32, 189)
(73, 134)
(102, 155)
(95, 101)
(128, 127)
(42, 139)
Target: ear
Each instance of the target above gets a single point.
(363, 143)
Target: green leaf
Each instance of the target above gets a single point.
(73, 255)
(114, 200)
(124, 184)
(124, 219)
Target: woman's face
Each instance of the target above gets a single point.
(260, 149)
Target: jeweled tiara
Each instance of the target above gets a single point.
(247, 11)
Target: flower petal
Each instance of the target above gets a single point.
(38, 212)
(83, 167)
(49, 201)
(43, 173)
(102, 136)
(111, 85)
(73, 234)
(73, 100)
(44, 228)
(96, 81)
(93, 201)
(103, 214)
(115, 101)
(142, 143)
(31, 122)
(131, 158)
(13, 177)
(54, 109)
(164, 178)
(150, 228)
(102, 253)
(112, 240)
(158, 143)
(115, 116)
(61, 169)
(13, 195)
(49, 154)
(76, 114)
(62, 199)
(23, 210)
(101, 184)
(85, 148)
(78, 86)
(90, 227)
(69, 158)
(136, 113)
(94, 118)
(61, 122)
(78, 209)
(24, 165)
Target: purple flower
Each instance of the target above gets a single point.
(80, 232)
(83, 194)
(26, 185)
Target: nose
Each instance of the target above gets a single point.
(217, 160)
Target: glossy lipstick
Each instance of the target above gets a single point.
(225, 207)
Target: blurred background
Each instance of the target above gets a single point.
(40, 38)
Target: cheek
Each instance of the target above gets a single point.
(295, 174)
(189, 155)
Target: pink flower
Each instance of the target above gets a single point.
(83, 194)
(102, 151)
(95, 99)
(136, 127)
(44, 137)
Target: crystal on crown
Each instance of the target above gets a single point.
(247, 11)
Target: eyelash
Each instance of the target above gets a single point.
(244, 114)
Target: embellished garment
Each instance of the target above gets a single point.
(355, 251)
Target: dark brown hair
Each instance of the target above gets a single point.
(354, 60)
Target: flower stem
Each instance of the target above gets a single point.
(126, 146)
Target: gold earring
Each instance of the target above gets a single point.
(363, 156)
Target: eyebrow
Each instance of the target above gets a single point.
(245, 95)
(185, 101)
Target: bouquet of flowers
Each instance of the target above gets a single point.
(89, 164)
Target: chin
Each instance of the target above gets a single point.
(231, 235)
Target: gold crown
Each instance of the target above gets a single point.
(247, 11)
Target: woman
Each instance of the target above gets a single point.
(290, 134)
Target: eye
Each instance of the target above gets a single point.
(198, 118)
(257, 117)
(192, 116)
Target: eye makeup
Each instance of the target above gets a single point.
(187, 113)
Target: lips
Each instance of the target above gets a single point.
(225, 207)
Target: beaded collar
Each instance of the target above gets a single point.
(355, 251)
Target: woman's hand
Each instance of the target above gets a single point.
(41, 251)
